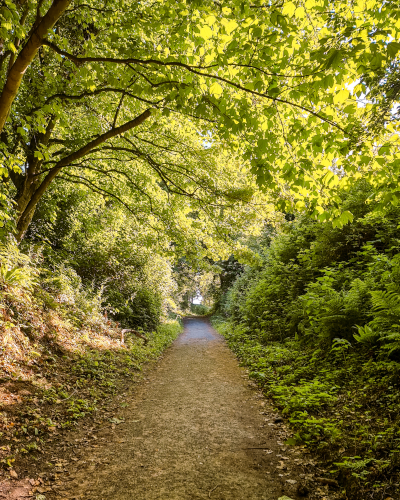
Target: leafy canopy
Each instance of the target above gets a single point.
(303, 91)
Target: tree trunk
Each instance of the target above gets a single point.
(26, 186)
(23, 223)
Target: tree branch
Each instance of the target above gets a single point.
(193, 69)
(73, 157)
(124, 174)
(26, 56)
(89, 184)
(77, 97)
(102, 192)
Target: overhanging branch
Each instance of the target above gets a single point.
(67, 160)
(27, 55)
(193, 69)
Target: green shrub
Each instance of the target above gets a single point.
(199, 309)
(142, 309)
(318, 326)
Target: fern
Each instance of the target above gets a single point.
(16, 269)
(386, 322)
(384, 301)
(392, 342)
(366, 335)
(16, 276)
(386, 308)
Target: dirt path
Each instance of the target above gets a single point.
(191, 433)
(197, 429)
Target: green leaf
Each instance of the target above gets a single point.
(230, 25)
(289, 9)
(392, 49)
(341, 96)
(333, 59)
(206, 32)
(12, 47)
(346, 217)
(216, 89)
(300, 12)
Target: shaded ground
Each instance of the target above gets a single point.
(195, 430)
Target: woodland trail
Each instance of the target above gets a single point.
(196, 430)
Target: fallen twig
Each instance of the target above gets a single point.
(256, 448)
(135, 332)
(215, 487)
(70, 396)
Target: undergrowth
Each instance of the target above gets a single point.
(61, 357)
(317, 321)
(343, 408)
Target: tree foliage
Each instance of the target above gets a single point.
(302, 91)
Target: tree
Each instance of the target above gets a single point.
(208, 224)
(270, 80)
(89, 104)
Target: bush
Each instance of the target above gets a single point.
(318, 283)
(93, 246)
(199, 309)
(143, 309)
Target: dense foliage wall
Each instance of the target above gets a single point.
(322, 284)
(318, 323)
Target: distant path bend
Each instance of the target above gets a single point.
(195, 431)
